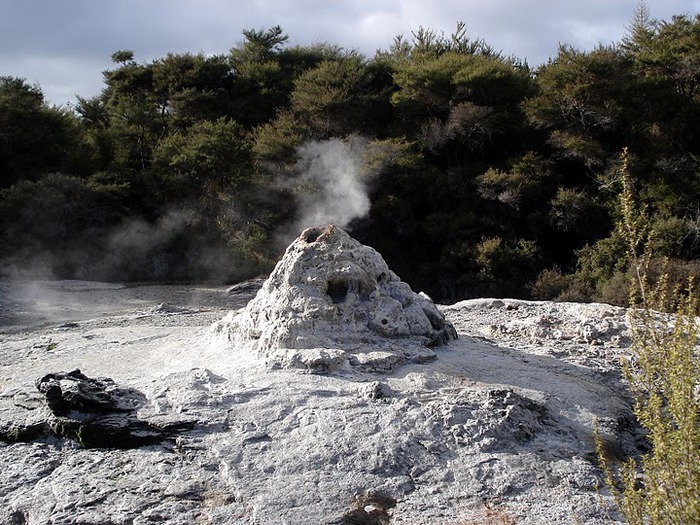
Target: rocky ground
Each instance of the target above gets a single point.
(498, 429)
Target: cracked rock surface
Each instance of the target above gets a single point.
(496, 428)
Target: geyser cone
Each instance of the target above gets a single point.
(332, 301)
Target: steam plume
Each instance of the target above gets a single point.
(333, 182)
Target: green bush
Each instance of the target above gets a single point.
(550, 284)
(663, 372)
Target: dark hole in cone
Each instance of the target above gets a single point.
(337, 291)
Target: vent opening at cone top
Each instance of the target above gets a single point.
(332, 301)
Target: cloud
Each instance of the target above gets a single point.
(61, 78)
(80, 35)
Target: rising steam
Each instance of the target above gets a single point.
(333, 183)
(330, 184)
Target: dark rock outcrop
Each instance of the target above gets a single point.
(95, 412)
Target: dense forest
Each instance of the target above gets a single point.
(470, 172)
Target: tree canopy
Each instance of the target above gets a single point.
(484, 176)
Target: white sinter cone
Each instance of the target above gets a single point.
(330, 301)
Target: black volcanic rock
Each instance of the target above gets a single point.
(93, 411)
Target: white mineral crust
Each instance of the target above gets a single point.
(328, 300)
(499, 428)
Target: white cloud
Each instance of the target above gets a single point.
(61, 78)
(65, 45)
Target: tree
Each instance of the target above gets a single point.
(334, 98)
(278, 140)
(582, 103)
(428, 43)
(506, 269)
(211, 154)
(206, 165)
(260, 45)
(97, 137)
(640, 30)
(189, 88)
(56, 224)
(522, 187)
(669, 52)
(264, 72)
(136, 120)
(260, 85)
(34, 138)
(123, 57)
(461, 105)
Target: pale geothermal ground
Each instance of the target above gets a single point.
(498, 429)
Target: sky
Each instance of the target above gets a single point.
(64, 45)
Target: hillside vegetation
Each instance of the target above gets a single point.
(470, 172)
